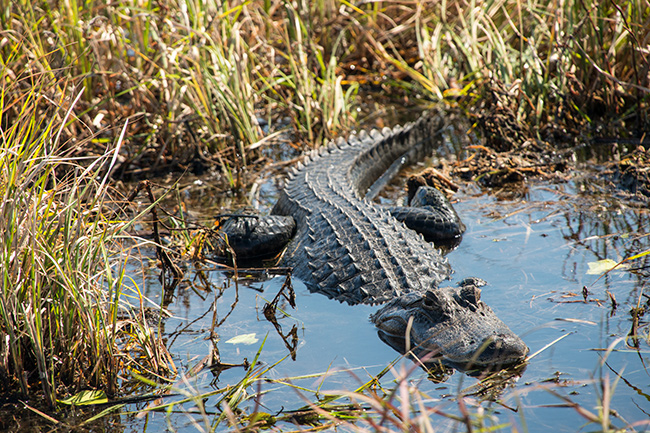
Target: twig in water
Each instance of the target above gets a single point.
(168, 266)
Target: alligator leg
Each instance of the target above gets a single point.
(254, 236)
(430, 214)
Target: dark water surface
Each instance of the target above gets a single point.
(534, 252)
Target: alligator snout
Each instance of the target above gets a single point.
(452, 323)
(508, 348)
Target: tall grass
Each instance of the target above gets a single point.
(62, 318)
(207, 83)
(95, 90)
(195, 78)
(559, 62)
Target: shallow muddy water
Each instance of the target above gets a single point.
(535, 253)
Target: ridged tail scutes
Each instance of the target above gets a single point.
(369, 255)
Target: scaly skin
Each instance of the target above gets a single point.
(451, 322)
(346, 247)
(354, 251)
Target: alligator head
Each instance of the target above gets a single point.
(451, 323)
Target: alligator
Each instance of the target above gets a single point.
(352, 250)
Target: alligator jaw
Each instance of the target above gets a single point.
(452, 323)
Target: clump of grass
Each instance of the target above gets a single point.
(552, 64)
(195, 79)
(208, 84)
(62, 307)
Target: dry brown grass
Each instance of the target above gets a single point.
(207, 85)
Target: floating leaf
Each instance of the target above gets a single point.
(602, 266)
(243, 339)
(85, 398)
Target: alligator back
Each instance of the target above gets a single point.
(346, 247)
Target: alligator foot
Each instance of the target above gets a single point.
(430, 213)
(250, 237)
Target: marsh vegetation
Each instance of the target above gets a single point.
(94, 95)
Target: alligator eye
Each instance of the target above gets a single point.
(436, 304)
(431, 299)
(471, 294)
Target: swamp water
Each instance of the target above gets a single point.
(535, 252)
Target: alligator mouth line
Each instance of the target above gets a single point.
(472, 360)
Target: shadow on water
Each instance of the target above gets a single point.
(587, 333)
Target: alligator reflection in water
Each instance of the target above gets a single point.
(351, 250)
